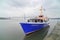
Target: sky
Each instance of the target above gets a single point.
(19, 8)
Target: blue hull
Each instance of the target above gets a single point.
(32, 27)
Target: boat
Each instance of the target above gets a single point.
(38, 35)
(35, 24)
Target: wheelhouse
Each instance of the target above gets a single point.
(36, 20)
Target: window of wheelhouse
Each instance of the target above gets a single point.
(35, 20)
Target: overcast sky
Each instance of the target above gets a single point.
(17, 8)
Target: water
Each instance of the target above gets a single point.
(11, 30)
(55, 34)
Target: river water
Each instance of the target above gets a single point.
(11, 30)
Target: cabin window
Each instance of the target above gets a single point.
(41, 20)
(35, 20)
(38, 20)
(28, 21)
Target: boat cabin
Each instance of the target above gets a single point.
(40, 18)
(36, 20)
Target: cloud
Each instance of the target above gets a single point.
(14, 8)
(18, 8)
(22, 3)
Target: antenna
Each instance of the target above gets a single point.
(24, 16)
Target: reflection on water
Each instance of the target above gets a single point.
(55, 34)
(11, 30)
(38, 35)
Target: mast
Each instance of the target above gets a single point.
(41, 8)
